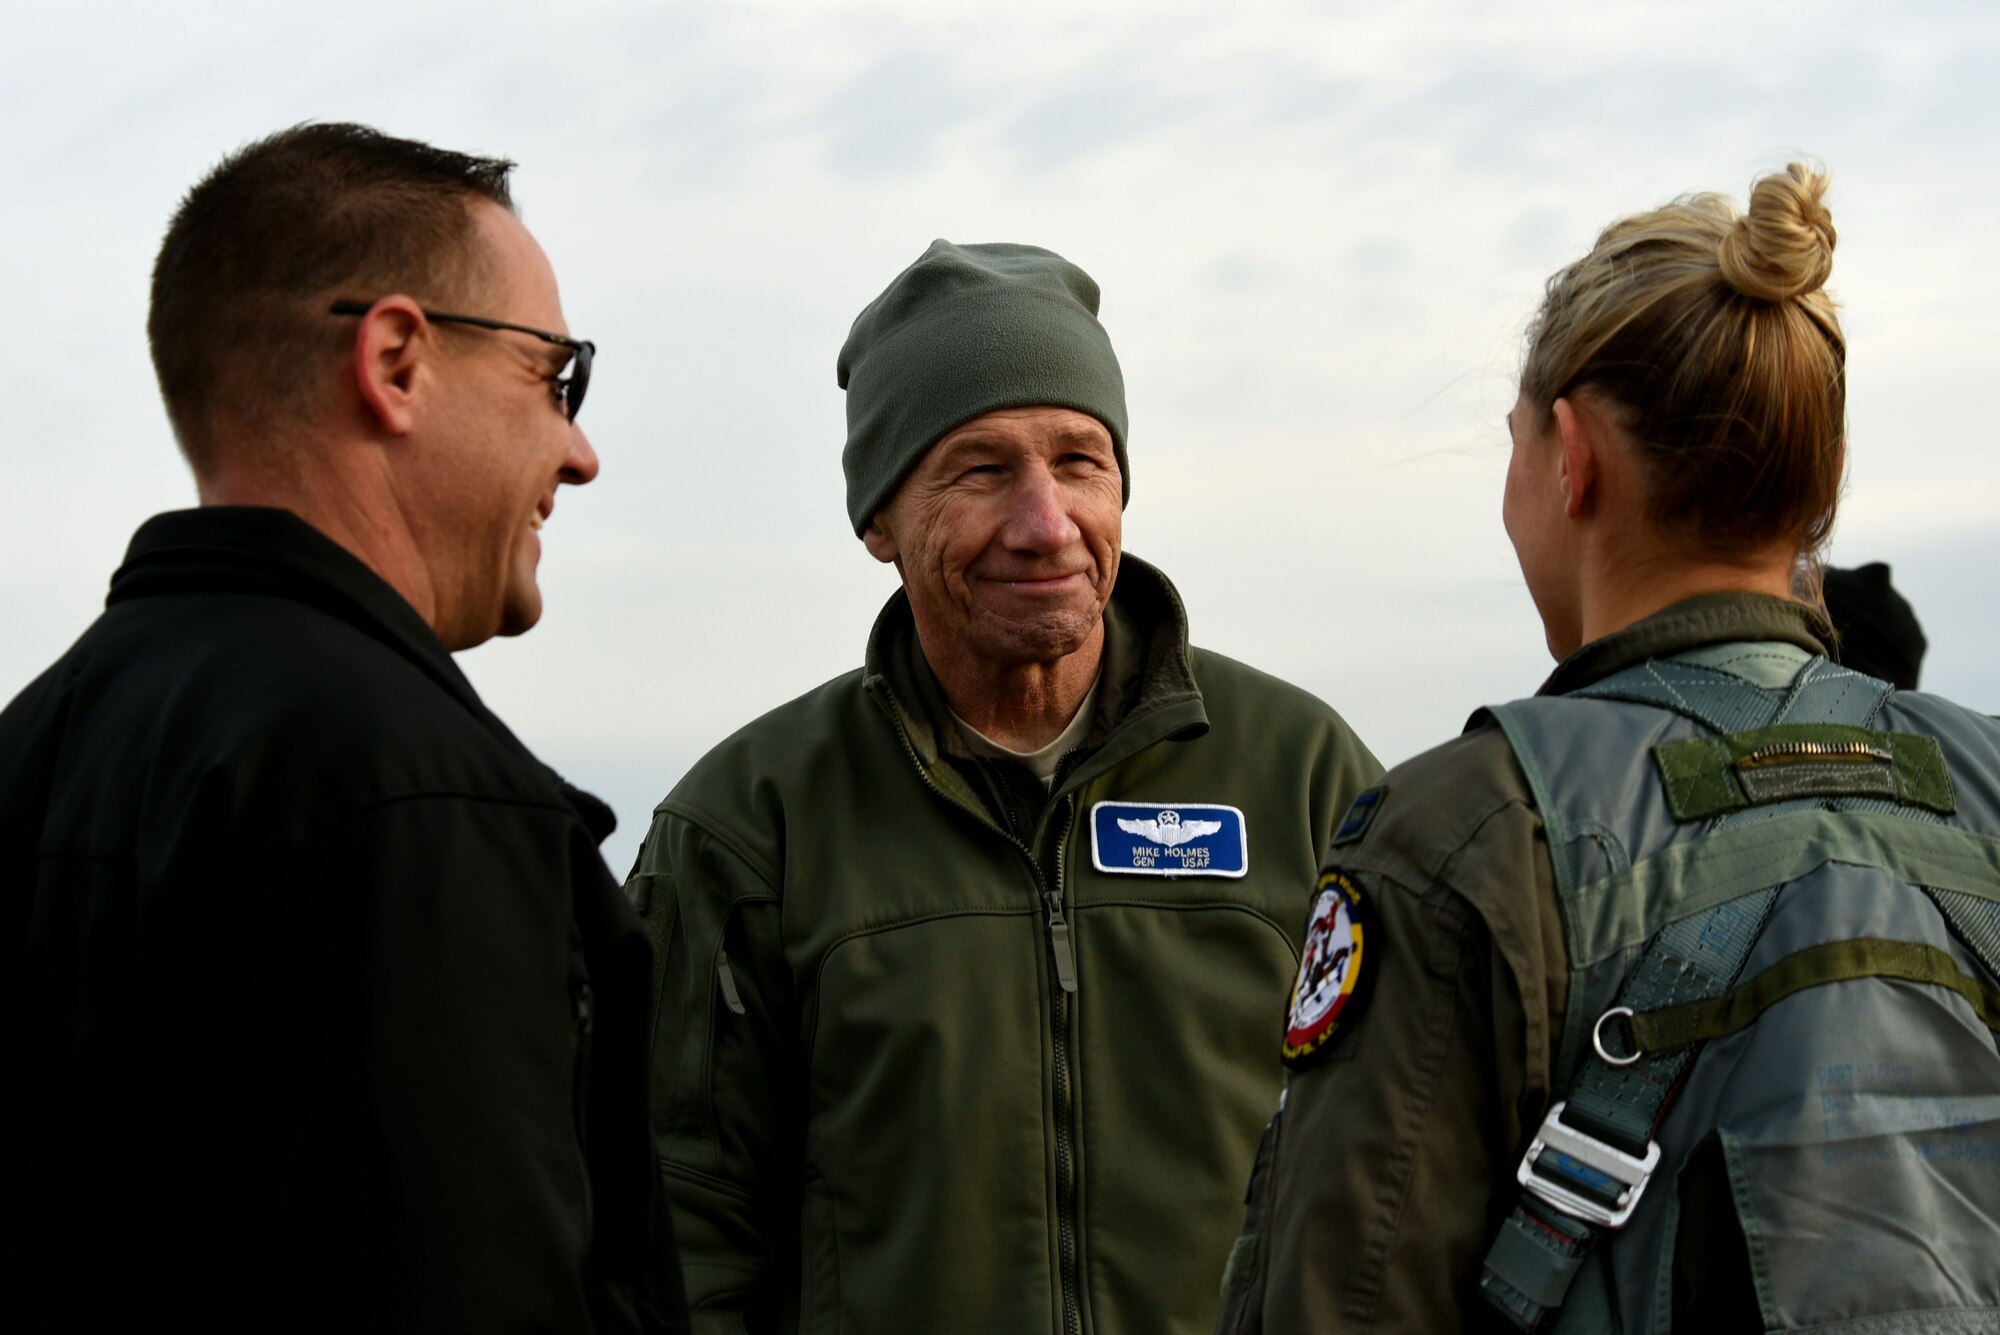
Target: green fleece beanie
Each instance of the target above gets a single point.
(968, 330)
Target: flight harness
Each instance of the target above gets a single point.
(1769, 750)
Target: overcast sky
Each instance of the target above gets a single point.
(1319, 228)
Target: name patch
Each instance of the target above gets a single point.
(1168, 839)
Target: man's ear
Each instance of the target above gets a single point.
(1582, 429)
(879, 541)
(390, 342)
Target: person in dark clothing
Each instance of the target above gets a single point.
(328, 1014)
(1875, 629)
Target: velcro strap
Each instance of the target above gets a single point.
(1712, 776)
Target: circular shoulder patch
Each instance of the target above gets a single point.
(1331, 968)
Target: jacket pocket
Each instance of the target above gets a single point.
(1920, 1259)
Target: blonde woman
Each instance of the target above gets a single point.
(1664, 999)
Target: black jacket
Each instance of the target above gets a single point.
(329, 1014)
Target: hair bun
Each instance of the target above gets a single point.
(1783, 247)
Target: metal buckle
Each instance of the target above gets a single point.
(1588, 1159)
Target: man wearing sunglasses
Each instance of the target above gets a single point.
(328, 1013)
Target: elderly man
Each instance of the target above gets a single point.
(969, 957)
(328, 1015)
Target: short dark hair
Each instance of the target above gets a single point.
(278, 230)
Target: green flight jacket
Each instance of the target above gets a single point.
(877, 1105)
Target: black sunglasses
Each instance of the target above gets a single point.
(568, 388)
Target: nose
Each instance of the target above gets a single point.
(1040, 521)
(580, 464)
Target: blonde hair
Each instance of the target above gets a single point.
(1711, 338)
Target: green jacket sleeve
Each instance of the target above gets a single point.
(1386, 1154)
(728, 1062)
(1389, 1169)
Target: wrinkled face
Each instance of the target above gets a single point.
(1007, 535)
(1532, 509)
(501, 447)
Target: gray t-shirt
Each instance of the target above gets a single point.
(1044, 762)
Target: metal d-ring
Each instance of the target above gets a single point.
(1597, 1038)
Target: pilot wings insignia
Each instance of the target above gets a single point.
(1169, 829)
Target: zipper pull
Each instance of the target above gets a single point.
(1059, 943)
(723, 975)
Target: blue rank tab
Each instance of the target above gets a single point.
(1355, 823)
(1168, 839)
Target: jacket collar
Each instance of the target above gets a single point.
(251, 549)
(1709, 618)
(1147, 690)
(256, 550)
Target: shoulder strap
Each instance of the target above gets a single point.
(1821, 691)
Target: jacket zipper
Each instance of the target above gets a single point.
(1059, 996)
(1059, 942)
(1059, 993)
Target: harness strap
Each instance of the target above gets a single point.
(1545, 1249)
(1594, 1154)
(1829, 962)
(1688, 961)
(1610, 916)
(1821, 692)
